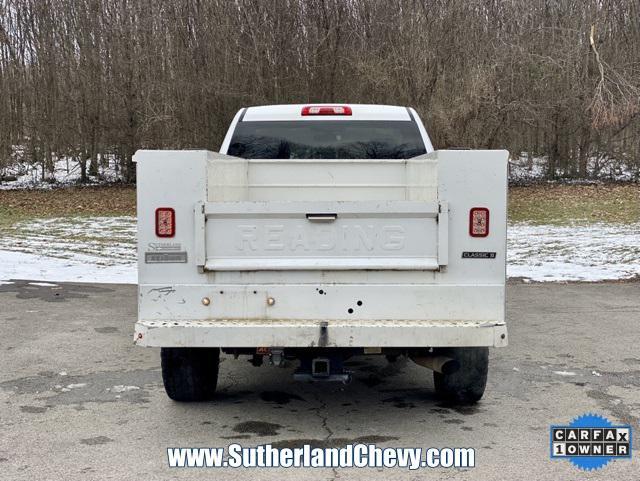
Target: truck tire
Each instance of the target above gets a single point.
(190, 373)
(465, 386)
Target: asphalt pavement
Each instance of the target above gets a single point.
(80, 402)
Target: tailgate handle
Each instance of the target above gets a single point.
(321, 217)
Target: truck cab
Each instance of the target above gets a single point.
(326, 131)
(321, 232)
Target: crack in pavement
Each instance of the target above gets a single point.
(324, 423)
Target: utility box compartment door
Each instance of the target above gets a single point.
(299, 235)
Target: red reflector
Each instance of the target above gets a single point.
(326, 110)
(479, 222)
(165, 222)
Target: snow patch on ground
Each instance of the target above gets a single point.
(118, 388)
(107, 240)
(65, 172)
(594, 252)
(18, 265)
(77, 249)
(525, 169)
(103, 250)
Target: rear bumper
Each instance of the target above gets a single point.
(341, 302)
(312, 333)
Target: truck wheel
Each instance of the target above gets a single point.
(190, 373)
(465, 386)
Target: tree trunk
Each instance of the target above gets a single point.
(83, 170)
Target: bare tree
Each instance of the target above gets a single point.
(97, 79)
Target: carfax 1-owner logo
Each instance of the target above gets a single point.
(590, 442)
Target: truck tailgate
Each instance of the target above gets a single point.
(305, 235)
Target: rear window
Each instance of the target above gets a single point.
(327, 139)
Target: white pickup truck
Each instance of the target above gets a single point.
(321, 232)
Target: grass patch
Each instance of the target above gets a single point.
(538, 204)
(582, 204)
(17, 205)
